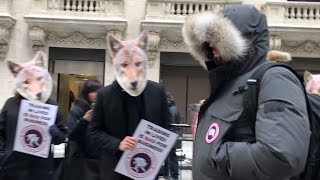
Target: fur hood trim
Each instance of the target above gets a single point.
(278, 56)
(217, 30)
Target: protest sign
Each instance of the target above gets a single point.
(145, 161)
(32, 136)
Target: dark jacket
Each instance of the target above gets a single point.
(77, 127)
(112, 120)
(19, 165)
(226, 147)
(174, 117)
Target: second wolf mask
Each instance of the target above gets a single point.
(130, 61)
(32, 79)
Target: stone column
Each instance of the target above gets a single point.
(4, 39)
(154, 56)
(274, 43)
(38, 37)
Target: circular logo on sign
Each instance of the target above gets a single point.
(32, 138)
(212, 133)
(140, 163)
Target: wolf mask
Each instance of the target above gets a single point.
(129, 61)
(32, 80)
(312, 83)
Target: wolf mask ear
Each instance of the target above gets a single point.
(14, 68)
(39, 59)
(307, 76)
(113, 45)
(143, 40)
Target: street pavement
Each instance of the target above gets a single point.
(186, 164)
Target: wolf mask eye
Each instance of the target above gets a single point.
(39, 78)
(138, 64)
(124, 65)
(26, 82)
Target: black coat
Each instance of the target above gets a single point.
(78, 137)
(16, 165)
(77, 127)
(110, 122)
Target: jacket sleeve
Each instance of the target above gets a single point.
(3, 129)
(165, 110)
(63, 131)
(282, 133)
(97, 133)
(77, 126)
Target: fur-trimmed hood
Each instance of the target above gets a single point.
(278, 56)
(239, 33)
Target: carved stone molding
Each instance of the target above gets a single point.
(306, 48)
(169, 42)
(4, 39)
(153, 55)
(116, 33)
(275, 42)
(153, 40)
(38, 37)
(153, 50)
(77, 39)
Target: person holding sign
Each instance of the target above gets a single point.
(121, 105)
(25, 138)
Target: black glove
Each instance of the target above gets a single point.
(54, 131)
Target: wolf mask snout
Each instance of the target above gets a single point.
(39, 95)
(134, 84)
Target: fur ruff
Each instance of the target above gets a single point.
(278, 56)
(217, 30)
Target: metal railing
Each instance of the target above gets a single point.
(77, 5)
(181, 8)
(302, 11)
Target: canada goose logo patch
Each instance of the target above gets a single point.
(212, 133)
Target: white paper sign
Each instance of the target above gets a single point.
(32, 136)
(145, 161)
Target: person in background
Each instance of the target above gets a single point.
(71, 99)
(81, 157)
(171, 166)
(79, 117)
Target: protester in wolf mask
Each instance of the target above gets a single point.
(121, 105)
(231, 44)
(32, 82)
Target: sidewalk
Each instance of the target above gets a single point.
(186, 164)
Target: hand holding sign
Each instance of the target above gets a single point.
(145, 151)
(32, 134)
(128, 143)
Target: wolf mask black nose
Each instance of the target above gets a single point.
(39, 95)
(134, 84)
